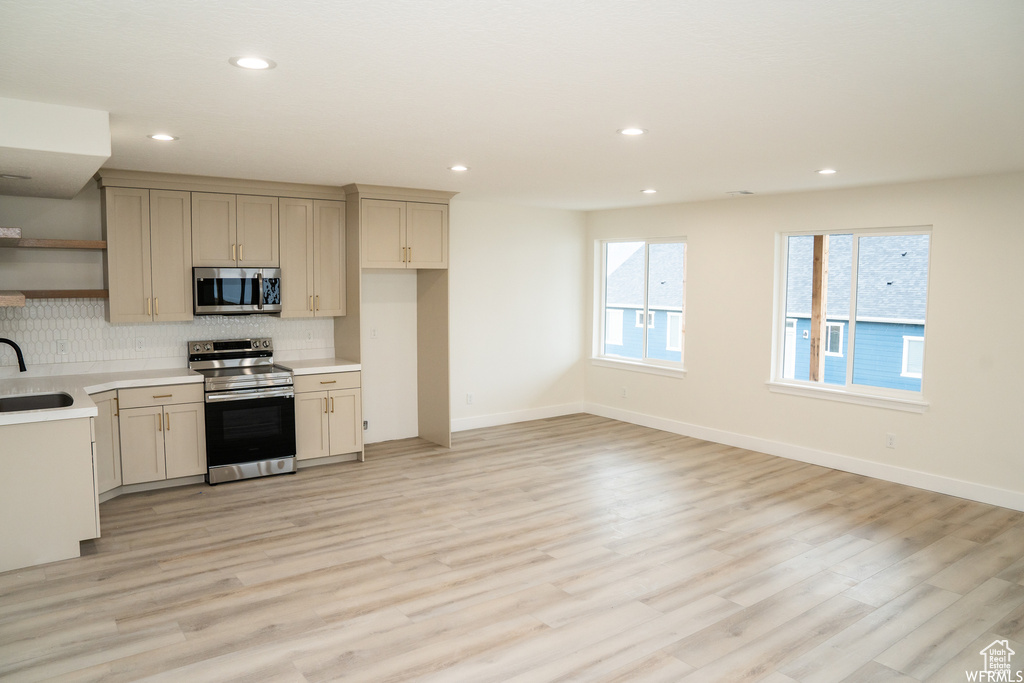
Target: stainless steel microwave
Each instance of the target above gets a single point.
(236, 291)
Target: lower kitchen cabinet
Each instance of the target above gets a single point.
(108, 442)
(162, 440)
(328, 415)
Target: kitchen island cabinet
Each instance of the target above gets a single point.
(48, 495)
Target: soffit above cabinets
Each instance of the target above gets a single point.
(49, 150)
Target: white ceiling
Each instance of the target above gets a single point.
(737, 94)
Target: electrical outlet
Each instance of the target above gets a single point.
(623, 392)
(62, 347)
(469, 399)
(373, 333)
(140, 344)
(366, 425)
(890, 441)
(309, 335)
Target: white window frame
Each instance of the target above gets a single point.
(828, 336)
(897, 399)
(907, 340)
(646, 365)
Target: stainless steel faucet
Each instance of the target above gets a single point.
(17, 352)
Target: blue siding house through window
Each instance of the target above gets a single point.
(624, 290)
(892, 283)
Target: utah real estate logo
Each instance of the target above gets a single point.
(997, 665)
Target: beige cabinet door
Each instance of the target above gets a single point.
(185, 439)
(171, 246)
(296, 258)
(257, 232)
(142, 445)
(329, 258)
(214, 241)
(311, 428)
(129, 274)
(426, 235)
(382, 233)
(108, 442)
(346, 421)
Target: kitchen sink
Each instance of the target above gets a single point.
(12, 404)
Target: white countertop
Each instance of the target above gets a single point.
(80, 386)
(317, 366)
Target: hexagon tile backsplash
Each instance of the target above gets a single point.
(94, 345)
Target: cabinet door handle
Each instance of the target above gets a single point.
(332, 404)
(117, 407)
(159, 424)
(164, 396)
(325, 406)
(149, 306)
(311, 302)
(408, 252)
(240, 252)
(333, 381)
(156, 306)
(318, 302)
(233, 252)
(167, 416)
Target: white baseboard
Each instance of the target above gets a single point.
(982, 493)
(464, 423)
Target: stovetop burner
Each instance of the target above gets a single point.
(237, 364)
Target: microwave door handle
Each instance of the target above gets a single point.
(259, 285)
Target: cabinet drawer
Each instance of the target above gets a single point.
(326, 382)
(141, 397)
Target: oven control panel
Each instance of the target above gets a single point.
(232, 345)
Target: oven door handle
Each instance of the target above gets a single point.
(250, 394)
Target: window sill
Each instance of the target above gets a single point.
(636, 366)
(905, 404)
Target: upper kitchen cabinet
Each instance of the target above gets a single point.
(402, 228)
(312, 258)
(149, 255)
(234, 230)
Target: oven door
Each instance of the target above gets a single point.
(249, 426)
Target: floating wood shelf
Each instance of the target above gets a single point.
(66, 293)
(11, 237)
(12, 299)
(30, 243)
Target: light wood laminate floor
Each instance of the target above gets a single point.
(570, 549)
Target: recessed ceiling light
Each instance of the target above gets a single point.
(827, 171)
(649, 191)
(632, 131)
(14, 176)
(458, 167)
(162, 137)
(257, 63)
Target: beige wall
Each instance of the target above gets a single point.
(516, 283)
(968, 441)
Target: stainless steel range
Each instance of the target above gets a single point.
(250, 409)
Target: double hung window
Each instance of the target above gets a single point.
(641, 300)
(852, 310)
